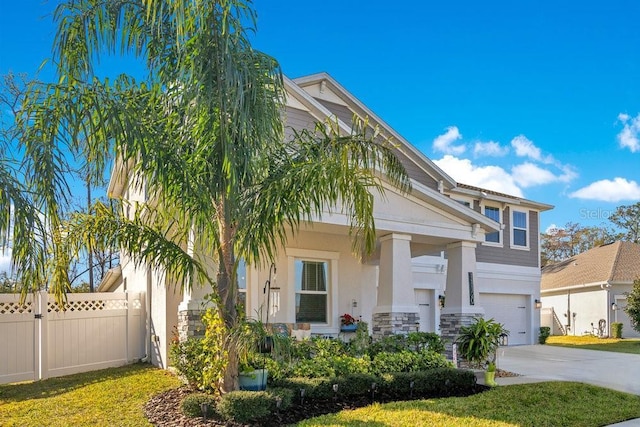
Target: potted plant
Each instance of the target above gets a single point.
(252, 374)
(348, 323)
(253, 342)
(490, 375)
(478, 343)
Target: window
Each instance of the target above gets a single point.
(494, 214)
(242, 284)
(520, 229)
(311, 281)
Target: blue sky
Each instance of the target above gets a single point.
(536, 99)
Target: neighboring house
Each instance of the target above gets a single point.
(583, 290)
(446, 252)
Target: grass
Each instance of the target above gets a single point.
(107, 397)
(116, 397)
(557, 404)
(594, 343)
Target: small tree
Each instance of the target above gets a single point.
(633, 305)
(479, 341)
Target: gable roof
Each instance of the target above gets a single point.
(296, 90)
(348, 100)
(617, 262)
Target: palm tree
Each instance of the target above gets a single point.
(204, 137)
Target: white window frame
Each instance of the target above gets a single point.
(331, 258)
(500, 243)
(526, 230)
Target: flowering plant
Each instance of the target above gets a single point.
(347, 319)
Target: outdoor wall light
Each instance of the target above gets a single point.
(441, 300)
(614, 306)
(538, 303)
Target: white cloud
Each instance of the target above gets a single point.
(490, 177)
(526, 148)
(528, 175)
(490, 148)
(607, 190)
(629, 136)
(444, 142)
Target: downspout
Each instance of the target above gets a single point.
(607, 287)
(147, 307)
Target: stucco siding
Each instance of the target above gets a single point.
(356, 283)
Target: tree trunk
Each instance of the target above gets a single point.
(227, 291)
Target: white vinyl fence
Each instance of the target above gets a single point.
(39, 340)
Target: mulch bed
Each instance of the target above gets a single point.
(164, 410)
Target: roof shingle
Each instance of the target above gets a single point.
(612, 263)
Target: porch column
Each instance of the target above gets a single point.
(190, 311)
(193, 303)
(396, 310)
(461, 297)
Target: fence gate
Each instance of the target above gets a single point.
(39, 339)
(18, 339)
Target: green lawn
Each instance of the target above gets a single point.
(116, 396)
(556, 404)
(111, 397)
(626, 345)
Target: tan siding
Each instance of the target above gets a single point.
(346, 115)
(298, 120)
(508, 256)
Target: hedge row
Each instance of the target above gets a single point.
(251, 406)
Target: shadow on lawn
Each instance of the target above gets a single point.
(55, 386)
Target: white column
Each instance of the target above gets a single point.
(395, 282)
(462, 287)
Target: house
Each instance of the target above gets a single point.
(579, 292)
(447, 252)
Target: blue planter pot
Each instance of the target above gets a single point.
(349, 328)
(255, 380)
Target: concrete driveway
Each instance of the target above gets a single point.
(618, 371)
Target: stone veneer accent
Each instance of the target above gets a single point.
(385, 324)
(190, 324)
(450, 324)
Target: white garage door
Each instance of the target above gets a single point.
(510, 310)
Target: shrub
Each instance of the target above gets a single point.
(616, 330)
(361, 341)
(188, 359)
(439, 382)
(407, 361)
(425, 341)
(192, 404)
(545, 331)
(314, 388)
(284, 394)
(245, 406)
(414, 341)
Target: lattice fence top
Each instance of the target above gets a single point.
(15, 308)
(91, 305)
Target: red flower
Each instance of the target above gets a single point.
(347, 319)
